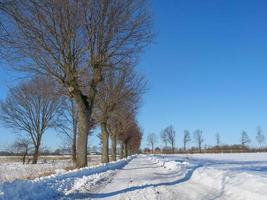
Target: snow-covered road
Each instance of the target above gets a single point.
(144, 178)
(183, 177)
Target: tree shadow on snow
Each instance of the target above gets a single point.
(187, 177)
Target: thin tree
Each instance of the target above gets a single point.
(75, 42)
(186, 138)
(23, 146)
(68, 126)
(260, 136)
(152, 140)
(170, 136)
(245, 140)
(32, 109)
(218, 139)
(198, 136)
(163, 137)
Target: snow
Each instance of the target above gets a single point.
(197, 176)
(16, 170)
(11, 168)
(58, 186)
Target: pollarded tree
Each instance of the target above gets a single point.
(170, 136)
(152, 140)
(75, 42)
(198, 136)
(32, 108)
(125, 117)
(186, 138)
(135, 141)
(113, 129)
(120, 87)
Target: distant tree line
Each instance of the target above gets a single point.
(168, 136)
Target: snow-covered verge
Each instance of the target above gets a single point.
(59, 186)
(220, 176)
(11, 168)
(16, 170)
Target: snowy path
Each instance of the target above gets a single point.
(141, 179)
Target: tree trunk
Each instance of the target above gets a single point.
(121, 150)
(35, 154)
(173, 148)
(74, 133)
(74, 141)
(125, 149)
(84, 119)
(105, 140)
(24, 157)
(114, 146)
(85, 106)
(129, 150)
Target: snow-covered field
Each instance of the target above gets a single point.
(198, 176)
(11, 167)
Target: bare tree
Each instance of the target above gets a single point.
(113, 129)
(170, 136)
(198, 136)
(152, 140)
(75, 42)
(23, 146)
(245, 140)
(31, 108)
(135, 141)
(127, 125)
(120, 87)
(260, 136)
(68, 125)
(186, 138)
(163, 137)
(131, 137)
(218, 139)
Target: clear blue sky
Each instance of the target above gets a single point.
(207, 69)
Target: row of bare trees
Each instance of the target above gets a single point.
(167, 136)
(83, 46)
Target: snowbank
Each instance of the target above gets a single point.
(167, 163)
(55, 186)
(173, 165)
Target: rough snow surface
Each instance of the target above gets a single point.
(185, 177)
(63, 186)
(16, 170)
(11, 168)
(203, 176)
